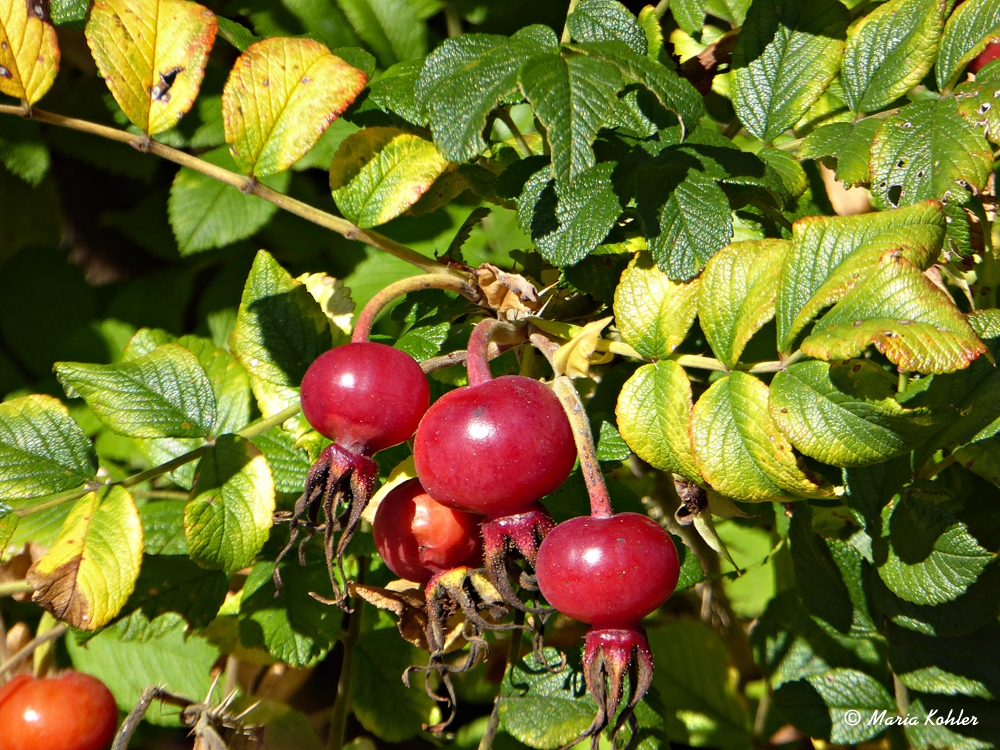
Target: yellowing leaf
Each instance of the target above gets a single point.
(905, 315)
(335, 299)
(152, 55)
(280, 97)
(575, 357)
(384, 175)
(29, 52)
(90, 571)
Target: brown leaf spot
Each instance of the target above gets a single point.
(4, 73)
(57, 593)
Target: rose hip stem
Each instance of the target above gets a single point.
(590, 467)
(371, 311)
(477, 362)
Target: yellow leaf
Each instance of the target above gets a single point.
(152, 55)
(91, 569)
(280, 97)
(29, 52)
(575, 357)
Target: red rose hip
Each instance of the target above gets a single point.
(71, 711)
(418, 537)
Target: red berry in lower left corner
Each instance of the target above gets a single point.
(608, 572)
(418, 537)
(71, 711)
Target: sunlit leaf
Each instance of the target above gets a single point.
(29, 51)
(970, 27)
(89, 572)
(152, 55)
(281, 95)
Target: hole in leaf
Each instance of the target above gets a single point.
(893, 195)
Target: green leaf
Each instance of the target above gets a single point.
(568, 222)
(465, 78)
(606, 21)
(975, 101)
(739, 449)
(571, 97)
(280, 96)
(845, 414)
(395, 91)
(165, 393)
(42, 449)
(293, 626)
(152, 56)
(163, 527)
(927, 151)
(649, 21)
(280, 330)
(391, 29)
(821, 245)
(849, 142)
(205, 213)
(228, 517)
(171, 589)
(674, 93)
(379, 699)
(889, 51)
(930, 731)
(69, 12)
(693, 678)
(653, 313)
(90, 570)
(786, 55)
(904, 314)
(733, 11)
(175, 660)
(22, 150)
(689, 15)
(8, 525)
(831, 577)
(970, 27)
(737, 293)
(395, 178)
(236, 34)
(820, 704)
(654, 417)
(686, 218)
(947, 666)
(289, 464)
(931, 557)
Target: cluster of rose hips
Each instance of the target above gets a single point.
(485, 455)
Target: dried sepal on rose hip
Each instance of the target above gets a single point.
(496, 447)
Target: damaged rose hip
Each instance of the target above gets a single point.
(496, 447)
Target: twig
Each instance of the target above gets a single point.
(244, 184)
(522, 147)
(342, 703)
(29, 648)
(513, 655)
(15, 587)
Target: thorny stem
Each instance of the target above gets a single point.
(600, 500)
(521, 145)
(513, 654)
(29, 648)
(477, 359)
(371, 311)
(244, 184)
(934, 469)
(249, 432)
(457, 358)
(338, 717)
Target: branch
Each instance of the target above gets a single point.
(30, 647)
(249, 185)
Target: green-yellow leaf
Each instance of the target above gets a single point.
(152, 55)
(927, 151)
(740, 450)
(737, 294)
(905, 315)
(890, 50)
(845, 414)
(29, 51)
(976, 102)
(652, 312)
(89, 572)
(393, 177)
(8, 525)
(280, 97)
(821, 244)
(970, 27)
(654, 418)
(42, 449)
(228, 518)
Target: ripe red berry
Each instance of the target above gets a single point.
(365, 396)
(609, 572)
(418, 537)
(71, 711)
(988, 55)
(494, 448)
